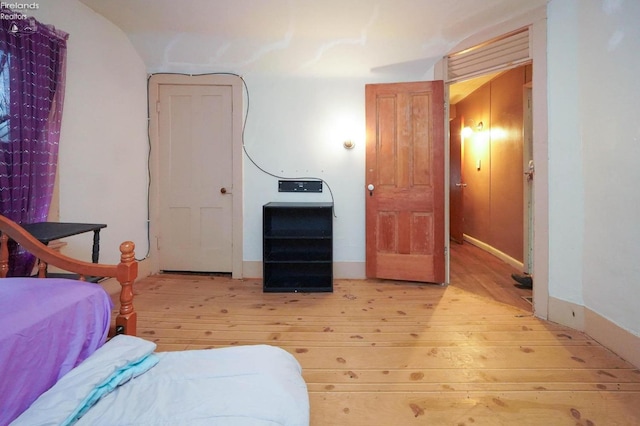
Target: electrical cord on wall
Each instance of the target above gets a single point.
(244, 149)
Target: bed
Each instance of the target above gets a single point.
(64, 360)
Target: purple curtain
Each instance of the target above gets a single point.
(33, 61)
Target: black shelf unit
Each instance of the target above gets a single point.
(297, 247)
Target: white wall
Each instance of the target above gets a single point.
(594, 145)
(295, 128)
(103, 143)
(296, 125)
(566, 188)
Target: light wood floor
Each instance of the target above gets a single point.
(395, 353)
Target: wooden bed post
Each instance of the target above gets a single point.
(4, 255)
(127, 273)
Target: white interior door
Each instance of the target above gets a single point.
(195, 130)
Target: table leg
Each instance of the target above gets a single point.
(95, 250)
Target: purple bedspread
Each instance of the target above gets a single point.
(47, 327)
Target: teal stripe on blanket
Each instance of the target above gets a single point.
(119, 377)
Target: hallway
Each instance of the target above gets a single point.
(478, 272)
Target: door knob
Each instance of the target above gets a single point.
(370, 187)
(463, 185)
(224, 191)
(530, 171)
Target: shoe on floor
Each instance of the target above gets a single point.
(524, 281)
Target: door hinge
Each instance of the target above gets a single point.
(158, 107)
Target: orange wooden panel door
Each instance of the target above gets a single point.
(405, 181)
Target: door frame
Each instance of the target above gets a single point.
(527, 185)
(536, 21)
(153, 86)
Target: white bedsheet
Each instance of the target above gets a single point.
(244, 385)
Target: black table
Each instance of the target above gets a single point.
(45, 232)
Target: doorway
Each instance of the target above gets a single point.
(531, 49)
(491, 170)
(195, 129)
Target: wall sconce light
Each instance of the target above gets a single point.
(470, 128)
(348, 144)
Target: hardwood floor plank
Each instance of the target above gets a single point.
(452, 378)
(475, 408)
(264, 333)
(468, 387)
(480, 356)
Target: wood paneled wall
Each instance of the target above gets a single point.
(492, 162)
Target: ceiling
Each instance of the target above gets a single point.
(302, 37)
(459, 91)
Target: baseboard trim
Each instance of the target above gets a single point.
(252, 269)
(349, 270)
(494, 251)
(607, 333)
(566, 313)
(613, 337)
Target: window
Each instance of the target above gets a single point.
(5, 96)
(32, 77)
